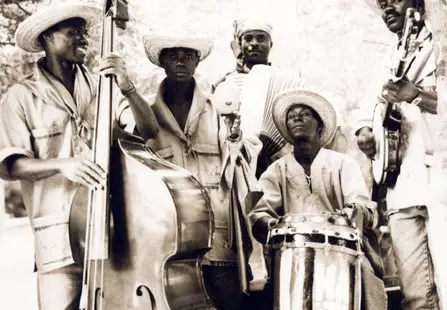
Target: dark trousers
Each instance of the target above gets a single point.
(259, 300)
(223, 287)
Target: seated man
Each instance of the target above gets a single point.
(312, 179)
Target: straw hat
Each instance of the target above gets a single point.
(154, 44)
(285, 100)
(374, 5)
(29, 30)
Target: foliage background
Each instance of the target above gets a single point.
(337, 46)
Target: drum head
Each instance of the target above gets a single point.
(379, 162)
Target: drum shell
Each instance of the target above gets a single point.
(315, 263)
(313, 278)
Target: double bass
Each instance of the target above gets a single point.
(147, 254)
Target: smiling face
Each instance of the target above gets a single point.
(393, 13)
(303, 123)
(66, 40)
(179, 63)
(255, 46)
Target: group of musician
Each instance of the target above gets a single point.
(47, 125)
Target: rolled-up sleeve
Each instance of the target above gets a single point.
(271, 203)
(15, 135)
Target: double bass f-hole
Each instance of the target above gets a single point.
(145, 294)
(97, 221)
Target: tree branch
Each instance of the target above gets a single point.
(6, 43)
(22, 8)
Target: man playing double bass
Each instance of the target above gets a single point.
(313, 179)
(46, 126)
(182, 126)
(407, 202)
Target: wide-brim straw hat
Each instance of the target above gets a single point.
(31, 28)
(374, 5)
(289, 98)
(154, 44)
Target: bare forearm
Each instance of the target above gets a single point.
(32, 169)
(144, 116)
(429, 102)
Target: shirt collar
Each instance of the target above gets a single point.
(167, 119)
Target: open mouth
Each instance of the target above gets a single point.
(299, 126)
(390, 19)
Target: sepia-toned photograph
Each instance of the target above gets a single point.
(223, 154)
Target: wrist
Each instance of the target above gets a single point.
(237, 138)
(129, 89)
(418, 98)
(57, 164)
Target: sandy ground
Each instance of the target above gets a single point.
(17, 280)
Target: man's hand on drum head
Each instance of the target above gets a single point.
(366, 141)
(355, 213)
(349, 211)
(262, 227)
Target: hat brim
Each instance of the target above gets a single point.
(373, 5)
(285, 100)
(30, 29)
(154, 44)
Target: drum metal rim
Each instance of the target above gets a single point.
(351, 235)
(317, 245)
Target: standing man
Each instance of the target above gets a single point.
(313, 179)
(251, 46)
(181, 125)
(408, 200)
(46, 126)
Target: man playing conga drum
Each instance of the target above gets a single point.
(313, 179)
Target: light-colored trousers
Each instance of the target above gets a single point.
(60, 289)
(414, 262)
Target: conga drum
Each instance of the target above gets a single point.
(316, 263)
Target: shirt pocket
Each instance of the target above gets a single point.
(297, 186)
(209, 164)
(166, 153)
(47, 141)
(52, 242)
